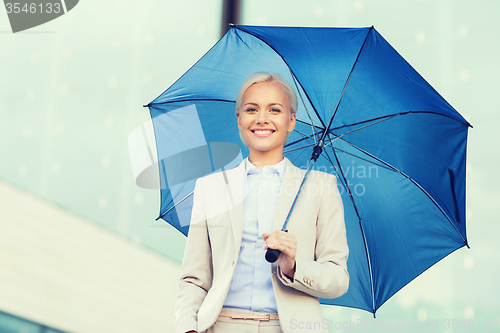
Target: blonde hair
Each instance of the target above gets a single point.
(259, 77)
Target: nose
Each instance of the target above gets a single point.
(262, 117)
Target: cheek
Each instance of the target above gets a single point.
(244, 122)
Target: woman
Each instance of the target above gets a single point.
(226, 285)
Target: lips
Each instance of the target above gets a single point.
(262, 133)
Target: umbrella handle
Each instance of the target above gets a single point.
(272, 255)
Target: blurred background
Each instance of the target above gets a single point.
(80, 249)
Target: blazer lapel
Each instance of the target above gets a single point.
(289, 188)
(235, 185)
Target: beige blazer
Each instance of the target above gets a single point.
(214, 239)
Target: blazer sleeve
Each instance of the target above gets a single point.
(196, 270)
(327, 275)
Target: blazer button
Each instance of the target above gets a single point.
(304, 279)
(312, 282)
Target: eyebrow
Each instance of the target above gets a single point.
(250, 103)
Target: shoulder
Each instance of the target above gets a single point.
(212, 178)
(220, 177)
(320, 173)
(322, 183)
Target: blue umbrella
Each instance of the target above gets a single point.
(397, 148)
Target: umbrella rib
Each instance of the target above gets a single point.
(364, 159)
(287, 151)
(327, 128)
(305, 107)
(372, 156)
(348, 190)
(414, 182)
(304, 123)
(175, 205)
(305, 136)
(399, 114)
(299, 140)
(342, 180)
(189, 100)
(357, 129)
(437, 205)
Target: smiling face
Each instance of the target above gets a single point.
(265, 119)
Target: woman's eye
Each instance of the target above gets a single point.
(251, 110)
(275, 110)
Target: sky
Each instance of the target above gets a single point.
(72, 90)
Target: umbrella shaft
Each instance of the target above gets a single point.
(316, 152)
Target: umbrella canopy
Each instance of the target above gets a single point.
(397, 148)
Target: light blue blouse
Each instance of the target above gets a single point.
(251, 287)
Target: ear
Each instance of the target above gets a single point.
(238, 121)
(292, 123)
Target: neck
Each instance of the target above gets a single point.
(261, 159)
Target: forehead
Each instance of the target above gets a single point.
(265, 90)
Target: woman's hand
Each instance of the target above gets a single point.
(286, 243)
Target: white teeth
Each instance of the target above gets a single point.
(263, 131)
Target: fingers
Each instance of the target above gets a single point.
(287, 244)
(280, 240)
(288, 248)
(278, 237)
